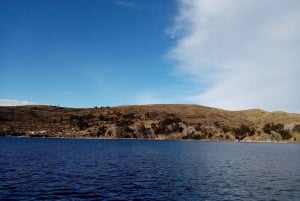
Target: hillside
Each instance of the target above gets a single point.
(151, 122)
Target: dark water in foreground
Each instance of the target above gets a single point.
(70, 169)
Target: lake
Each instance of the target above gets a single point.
(70, 169)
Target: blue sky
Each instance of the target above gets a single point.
(78, 53)
(85, 53)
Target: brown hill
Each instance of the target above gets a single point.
(150, 121)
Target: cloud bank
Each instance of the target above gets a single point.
(245, 53)
(9, 102)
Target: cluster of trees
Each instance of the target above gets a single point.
(279, 128)
(243, 131)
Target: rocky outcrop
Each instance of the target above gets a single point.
(150, 122)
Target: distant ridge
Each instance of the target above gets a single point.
(159, 121)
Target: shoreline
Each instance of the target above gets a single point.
(153, 139)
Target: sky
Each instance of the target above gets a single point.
(227, 54)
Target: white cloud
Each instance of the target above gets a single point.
(9, 102)
(246, 53)
(128, 4)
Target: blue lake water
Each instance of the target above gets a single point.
(71, 169)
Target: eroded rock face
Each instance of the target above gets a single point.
(149, 122)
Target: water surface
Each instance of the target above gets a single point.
(147, 170)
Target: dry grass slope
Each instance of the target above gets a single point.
(168, 121)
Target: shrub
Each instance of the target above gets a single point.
(128, 116)
(82, 124)
(155, 128)
(80, 121)
(242, 130)
(226, 129)
(267, 128)
(142, 130)
(272, 127)
(285, 134)
(217, 124)
(296, 128)
(125, 132)
(198, 127)
(124, 122)
(169, 125)
(279, 128)
(101, 131)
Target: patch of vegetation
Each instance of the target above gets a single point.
(108, 118)
(285, 134)
(170, 125)
(226, 129)
(129, 116)
(101, 131)
(272, 127)
(198, 127)
(217, 124)
(243, 130)
(124, 122)
(194, 136)
(89, 116)
(279, 128)
(151, 115)
(297, 128)
(13, 133)
(143, 131)
(80, 120)
(125, 132)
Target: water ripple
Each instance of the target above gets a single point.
(52, 169)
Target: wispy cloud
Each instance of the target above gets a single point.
(10, 102)
(128, 4)
(246, 53)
